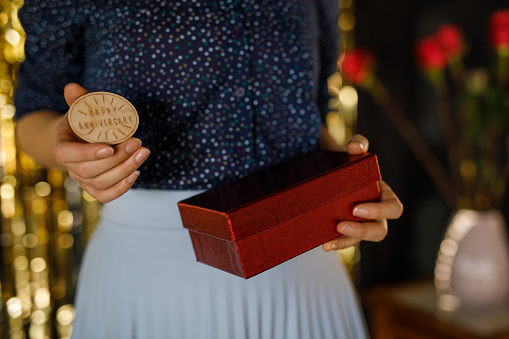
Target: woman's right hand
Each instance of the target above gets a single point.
(106, 172)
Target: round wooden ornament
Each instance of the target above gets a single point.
(103, 117)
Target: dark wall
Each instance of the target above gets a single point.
(389, 28)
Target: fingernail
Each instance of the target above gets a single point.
(133, 176)
(346, 230)
(360, 212)
(105, 152)
(142, 155)
(333, 247)
(132, 145)
(357, 141)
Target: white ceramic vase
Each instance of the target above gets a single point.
(472, 268)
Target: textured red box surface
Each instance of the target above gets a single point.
(257, 222)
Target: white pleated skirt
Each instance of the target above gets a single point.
(140, 279)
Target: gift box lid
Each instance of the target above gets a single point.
(267, 197)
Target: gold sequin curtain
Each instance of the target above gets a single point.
(46, 219)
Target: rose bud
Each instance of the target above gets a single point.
(450, 39)
(357, 66)
(499, 30)
(430, 55)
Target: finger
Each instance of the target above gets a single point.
(72, 92)
(370, 231)
(390, 207)
(68, 148)
(113, 192)
(92, 168)
(358, 144)
(340, 243)
(111, 177)
(68, 152)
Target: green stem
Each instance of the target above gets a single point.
(503, 68)
(450, 133)
(458, 74)
(417, 145)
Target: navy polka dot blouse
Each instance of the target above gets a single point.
(223, 88)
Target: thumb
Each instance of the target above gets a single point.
(358, 144)
(72, 92)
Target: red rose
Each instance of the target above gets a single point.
(499, 29)
(357, 66)
(450, 39)
(430, 55)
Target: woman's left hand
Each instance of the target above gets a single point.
(389, 207)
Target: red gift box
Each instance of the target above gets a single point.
(263, 219)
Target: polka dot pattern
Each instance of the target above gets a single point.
(223, 88)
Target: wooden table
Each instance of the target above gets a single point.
(410, 311)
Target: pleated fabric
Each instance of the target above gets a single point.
(140, 279)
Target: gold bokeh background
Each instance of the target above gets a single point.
(45, 218)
